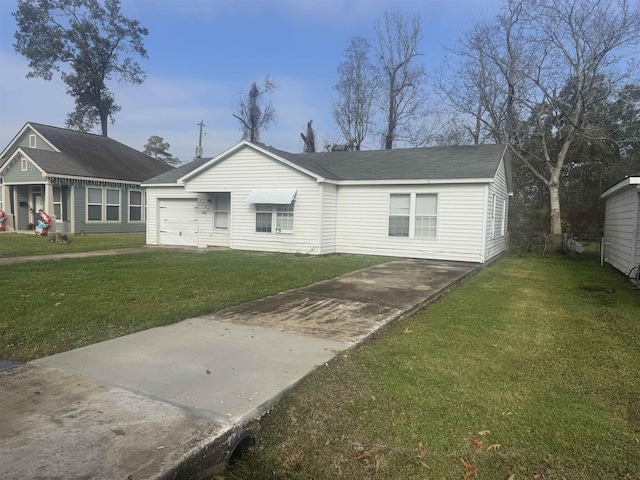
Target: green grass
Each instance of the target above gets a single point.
(539, 357)
(22, 244)
(52, 306)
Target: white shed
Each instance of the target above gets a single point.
(622, 224)
(445, 203)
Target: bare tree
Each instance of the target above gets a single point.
(252, 115)
(402, 76)
(309, 139)
(357, 87)
(543, 61)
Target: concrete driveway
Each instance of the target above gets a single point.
(167, 402)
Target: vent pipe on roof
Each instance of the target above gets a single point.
(199, 147)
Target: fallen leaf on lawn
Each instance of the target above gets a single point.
(482, 433)
(494, 446)
(522, 469)
(422, 452)
(406, 330)
(291, 459)
(476, 442)
(57, 304)
(327, 443)
(470, 469)
(424, 464)
(537, 476)
(370, 452)
(512, 476)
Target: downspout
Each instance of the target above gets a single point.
(12, 204)
(485, 211)
(320, 219)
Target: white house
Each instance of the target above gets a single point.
(445, 203)
(622, 224)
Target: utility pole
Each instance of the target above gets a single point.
(199, 147)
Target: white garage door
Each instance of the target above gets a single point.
(179, 222)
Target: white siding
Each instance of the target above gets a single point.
(155, 194)
(329, 218)
(362, 225)
(496, 239)
(621, 229)
(247, 169)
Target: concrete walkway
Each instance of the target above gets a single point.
(168, 402)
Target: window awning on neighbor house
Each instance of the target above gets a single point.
(278, 196)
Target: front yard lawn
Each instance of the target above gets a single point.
(530, 370)
(21, 244)
(48, 307)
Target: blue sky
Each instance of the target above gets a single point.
(203, 54)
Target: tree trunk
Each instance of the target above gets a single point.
(104, 117)
(556, 222)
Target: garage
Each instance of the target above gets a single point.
(179, 222)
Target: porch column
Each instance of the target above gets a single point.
(48, 205)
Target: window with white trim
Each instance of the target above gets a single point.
(32, 141)
(503, 225)
(426, 216)
(264, 215)
(24, 164)
(57, 202)
(413, 215)
(493, 215)
(103, 204)
(135, 205)
(113, 205)
(399, 214)
(221, 205)
(94, 204)
(274, 218)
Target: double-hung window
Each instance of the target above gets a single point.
(264, 217)
(284, 218)
(274, 218)
(135, 205)
(399, 215)
(103, 204)
(426, 215)
(413, 215)
(221, 205)
(57, 202)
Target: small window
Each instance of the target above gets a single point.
(264, 215)
(32, 141)
(135, 206)
(284, 218)
(426, 216)
(113, 205)
(221, 206)
(399, 211)
(57, 202)
(94, 204)
(493, 215)
(24, 164)
(503, 225)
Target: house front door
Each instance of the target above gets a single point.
(38, 205)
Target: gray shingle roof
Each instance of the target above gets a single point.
(89, 155)
(433, 163)
(172, 176)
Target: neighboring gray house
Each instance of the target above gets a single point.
(85, 182)
(446, 203)
(622, 224)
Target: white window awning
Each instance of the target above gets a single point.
(278, 196)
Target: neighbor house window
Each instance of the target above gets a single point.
(135, 205)
(426, 215)
(274, 218)
(221, 206)
(24, 164)
(113, 205)
(32, 141)
(399, 215)
(103, 204)
(94, 204)
(264, 215)
(57, 202)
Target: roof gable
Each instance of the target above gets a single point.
(80, 154)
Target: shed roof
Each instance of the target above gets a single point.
(88, 155)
